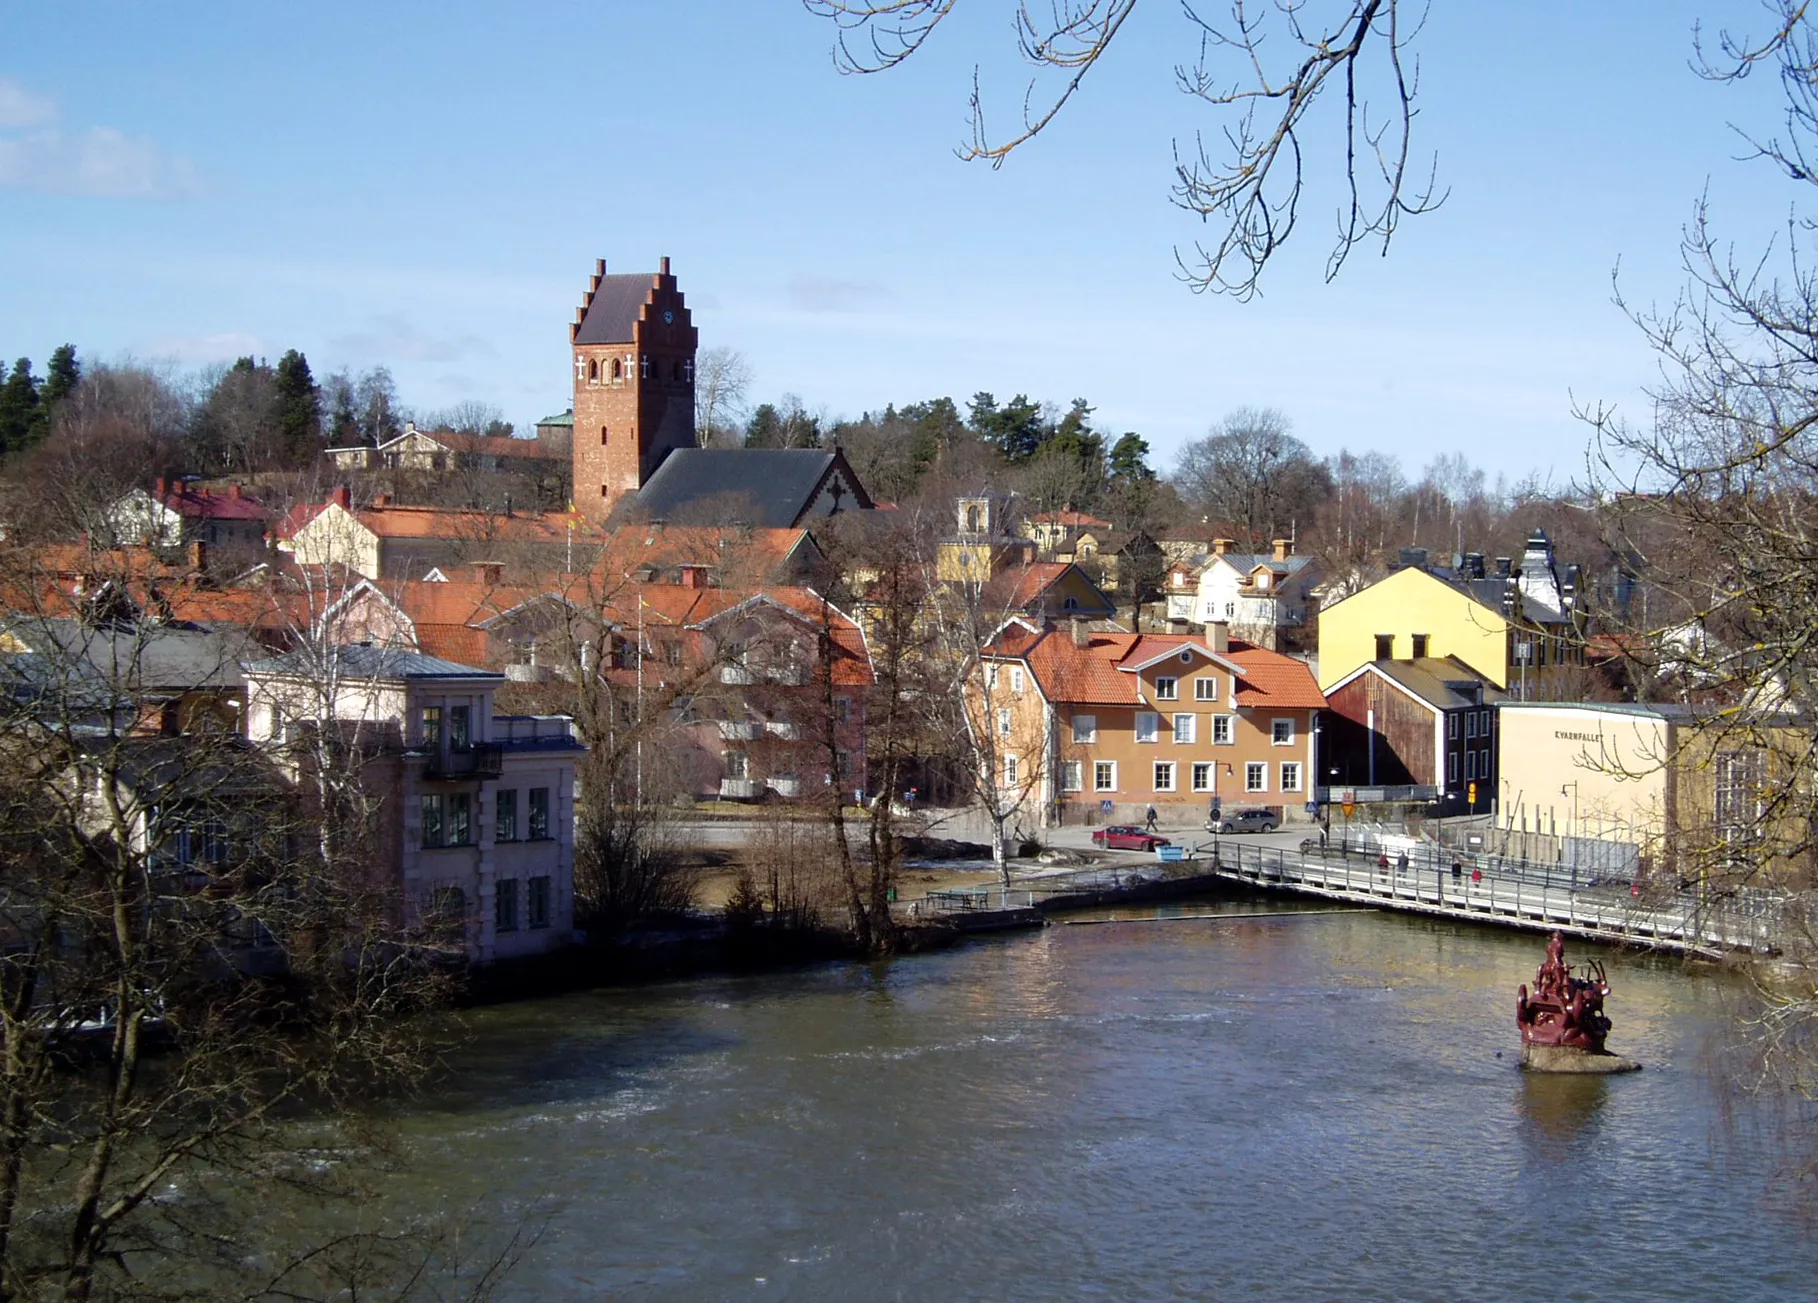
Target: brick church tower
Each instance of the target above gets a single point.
(634, 346)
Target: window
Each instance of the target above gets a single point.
(738, 764)
(1167, 688)
(505, 905)
(1281, 732)
(1202, 777)
(618, 371)
(432, 820)
(1452, 767)
(1452, 725)
(603, 439)
(1070, 604)
(1470, 765)
(1147, 723)
(672, 651)
(1003, 722)
(537, 907)
(1073, 776)
(1420, 644)
(539, 814)
(1164, 775)
(1085, 728)
(1016, 678)
(1205, 688)
(460, 727)
(1104, 776)
(1223, 731)
(1483, 725)
(1290, 775)
(1385, 646)
(432, 728)
(1740, 778)
(1256, 776)
(460, 820)
(1010, 771)
(1230, 609)
(842, 710)
(1470, 723)
(1186, 728)
(593, 372)
(507, 829)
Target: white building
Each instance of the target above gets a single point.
(476, 810)
(1263, 596)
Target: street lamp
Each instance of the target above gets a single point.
(1572, 834)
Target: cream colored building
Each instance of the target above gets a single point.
(1592, 770)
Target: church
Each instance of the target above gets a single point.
(635, 455)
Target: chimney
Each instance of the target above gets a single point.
(1502, 567)
(1218, 636)
(663, 266)
(691, 576)
(1176, 624)
(1082, 636)
(160, 488)
(1473, 565)
(1281, 549)
(1413, 558)
(489, 572)
(1221, 547)
(233, 491)
(198, 554)
(342, 497)
(382, 500)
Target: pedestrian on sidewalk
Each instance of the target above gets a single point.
(1150, 824)
(1476, 877)
(1457, 871)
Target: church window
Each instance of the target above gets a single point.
(618, 371)
(593, 372)
(602, 436)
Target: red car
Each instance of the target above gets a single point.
(1127, 837)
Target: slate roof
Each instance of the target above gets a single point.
(612, 313)
(778, 483)
(365, 661)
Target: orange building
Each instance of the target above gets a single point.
(1120, 720)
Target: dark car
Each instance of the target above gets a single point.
(1253, 820)
(1127, 837)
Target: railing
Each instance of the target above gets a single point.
(481, 760)
(740, 730)
(740, 788)
(533, 730)
(1686, 920)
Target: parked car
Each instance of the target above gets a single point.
(1252, 820)
(1127, 837)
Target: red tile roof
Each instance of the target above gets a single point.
(1099, 672)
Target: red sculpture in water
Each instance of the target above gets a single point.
(1564, 1012)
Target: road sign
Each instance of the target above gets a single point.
(1471, 793)
(1347, 807)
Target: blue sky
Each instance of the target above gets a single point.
(427, 186)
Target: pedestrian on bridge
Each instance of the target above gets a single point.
(1457, 871)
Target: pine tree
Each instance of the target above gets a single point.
(21, 411)
(61, 376)
(299, 410)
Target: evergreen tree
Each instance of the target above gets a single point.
(1129, 461)
(21, 411)
(61, 376)
(765, 428)
(298, 410)
(1015, 429)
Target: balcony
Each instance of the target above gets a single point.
(740, 789)
(786, 786)
(783, 729)
(737, 673)
(480, 761)
(740, 730)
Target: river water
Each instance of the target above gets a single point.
(1301, 1106)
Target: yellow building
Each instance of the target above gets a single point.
(1505, 624)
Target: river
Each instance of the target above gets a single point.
(1300, 1106)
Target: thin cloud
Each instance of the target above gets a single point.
(39, 155)
(395, 338)
(198, 350)
(815, 293)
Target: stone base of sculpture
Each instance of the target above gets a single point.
(1564, 1058)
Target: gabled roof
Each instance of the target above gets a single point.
(614, 307)
(1021, 586)
(1153, 648)
(779, 483)
(1439, 682)
(1096, 673)
(489, 445)
(201, 504)
(1248, 563)
(393, 521)
(1070, 518)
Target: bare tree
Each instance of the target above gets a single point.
(1252, 474)
(722, 377)
(1265, 70)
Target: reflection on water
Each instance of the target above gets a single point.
(1319, 1106)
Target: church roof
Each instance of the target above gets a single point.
(778, 483)
(612, 312)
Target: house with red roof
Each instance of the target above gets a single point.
(1097, 726)
(178, 514)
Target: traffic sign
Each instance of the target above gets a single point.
(1347, 807)
(1471, 793)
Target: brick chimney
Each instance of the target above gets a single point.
(693, 576)
(1221, 547)
(1281, 549)
(1082, 636)
(1218, 636)
(342, 497)
(382, 500)
(233, 491)
(160, 488)
(198, 554)
(489, 572)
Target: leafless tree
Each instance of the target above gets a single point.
(1265, 70)
(1254, 475)
(722, 377)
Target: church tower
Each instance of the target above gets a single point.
(634, 346)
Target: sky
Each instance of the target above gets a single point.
(427, 185)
